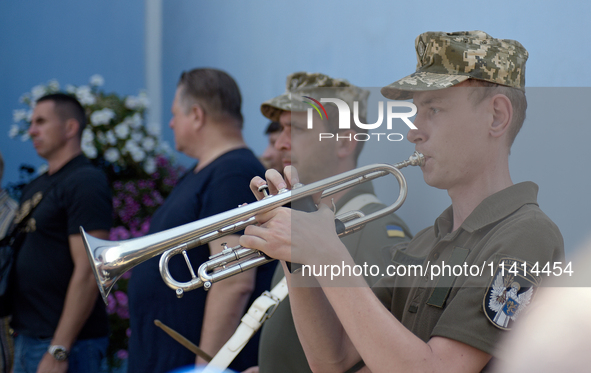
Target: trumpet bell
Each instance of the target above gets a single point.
(97, 251)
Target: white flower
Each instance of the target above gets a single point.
(53, 85)
(136, 120)
(143, 100)
(138, 155)
(37, 92)
(29, 115)
(101, 117)
(137, 102)
(131, 146)
(97, 80)
(148, 144)
(89, 150)
(153, 129)
(101, 138)
(112, 155)
(165, 148)
(42, 169)
(24, 98)
(111, 139)
(87, 135)
(150, 165)
(131, 102)
(14, 131)
(18, 115)
(137, 136)
(121, 130)
(84, 95)
(70, 88)
(25, 137)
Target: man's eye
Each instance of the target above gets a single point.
(434, 110)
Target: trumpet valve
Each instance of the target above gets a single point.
(265, 190)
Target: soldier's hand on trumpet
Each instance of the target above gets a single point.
(287, 234)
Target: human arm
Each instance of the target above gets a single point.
(225, 304)
(81, 297)
(338, 325)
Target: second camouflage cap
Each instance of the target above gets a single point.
(446, 59)
(317, 86)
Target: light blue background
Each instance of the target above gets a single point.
(370, 43)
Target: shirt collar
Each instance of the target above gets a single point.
(491, 209)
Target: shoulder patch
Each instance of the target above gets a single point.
(510, 291)
(394, 231)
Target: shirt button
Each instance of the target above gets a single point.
(436, 255)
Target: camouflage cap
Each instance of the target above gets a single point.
(446, 59)
(317, 86)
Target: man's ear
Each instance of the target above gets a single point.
(346, 143)
(198, 114)
(502, 114)
(72, 127)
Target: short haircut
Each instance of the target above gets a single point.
(517, 97)
(273, 127)
(67, 107)
(214, 90)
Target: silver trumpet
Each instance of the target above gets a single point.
(111, 259)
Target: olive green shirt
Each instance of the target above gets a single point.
(507, 227)
(279, 347)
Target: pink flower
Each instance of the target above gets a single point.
(130, 187)
(145, 226)
(126, 275)
(122, 354)
(122, 312)
(121, 298)
(119, 233)
(112, 304)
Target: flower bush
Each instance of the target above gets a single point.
(116, 137)
(139, 166)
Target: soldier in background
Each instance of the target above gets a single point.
(280, 349)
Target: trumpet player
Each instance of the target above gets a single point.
(279, 348)
(469, 91)
(207, 126)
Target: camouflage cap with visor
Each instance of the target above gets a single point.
(316, 86)
(446, 59)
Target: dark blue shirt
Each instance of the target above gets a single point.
(220, 186)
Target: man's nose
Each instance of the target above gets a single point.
(283, 142)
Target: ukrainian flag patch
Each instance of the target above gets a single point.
(394, 231)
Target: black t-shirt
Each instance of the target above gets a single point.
(76, 195)
(220, 186)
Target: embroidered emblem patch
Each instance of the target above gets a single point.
(509, 293)
(421, 48)
(394, 231)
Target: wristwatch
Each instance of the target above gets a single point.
(59, 353)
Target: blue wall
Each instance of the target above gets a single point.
(369, 43)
